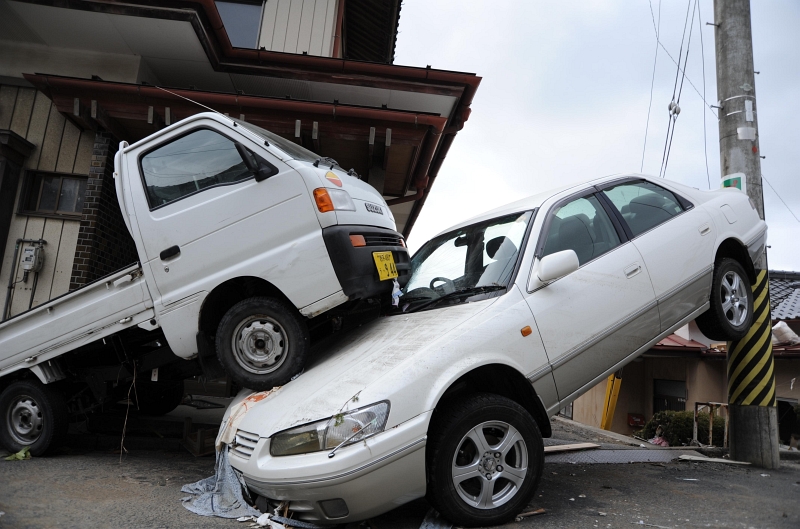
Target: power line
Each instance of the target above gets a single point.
(703, 55)
(652, 79)
(780, 198)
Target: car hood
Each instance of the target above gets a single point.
(344, 366)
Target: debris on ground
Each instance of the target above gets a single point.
(221, 494)
(22, 455)
(711, 460)
(641, 522)
(554, 449)
(434, 520)
(527, 514)
(764, 475)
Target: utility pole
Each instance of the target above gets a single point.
(751, 378)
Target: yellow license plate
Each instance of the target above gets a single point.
(384, 262)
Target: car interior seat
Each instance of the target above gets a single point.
(504, 253)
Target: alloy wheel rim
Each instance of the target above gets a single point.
(734, 298)
(259, 344)
(490, 465)
(24, 420)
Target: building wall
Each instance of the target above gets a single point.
(61, 147)
(297, 26)
(785, 371)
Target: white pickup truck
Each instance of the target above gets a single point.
(243, 237)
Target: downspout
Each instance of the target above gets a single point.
(337, 36)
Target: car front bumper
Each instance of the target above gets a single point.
(355, 267)
(362, 480)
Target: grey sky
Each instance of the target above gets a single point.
(565, 94)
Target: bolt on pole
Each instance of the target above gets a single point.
(751, 376)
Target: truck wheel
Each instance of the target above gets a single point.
(262, 343)
(731, 312)
(485, 461)
(33, 415)
(159, 398)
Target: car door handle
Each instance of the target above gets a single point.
(172, 251)
(632, 270)
(705, 229)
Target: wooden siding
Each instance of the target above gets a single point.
(61, 147)
(297, 26)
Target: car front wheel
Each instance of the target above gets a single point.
(485, 460)
(730, 313)
(262, 343)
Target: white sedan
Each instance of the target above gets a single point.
(507, 318)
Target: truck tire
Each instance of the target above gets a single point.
(731, 311)
(159, 398)
(32, 415)
(485, 459)
(262, 343)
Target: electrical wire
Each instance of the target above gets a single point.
(780, 198)
(653, 78)
(703, 56)
(683, 77)
(673, 113)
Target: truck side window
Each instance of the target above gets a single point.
(189, 164)
(581, 225)
(643, 205)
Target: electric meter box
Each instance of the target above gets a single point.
(32, 258)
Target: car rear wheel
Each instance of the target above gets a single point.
(485, 460)
(34, 416)
(731, 311)
(262, 343)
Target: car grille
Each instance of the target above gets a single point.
(244, 443)
(374, 239)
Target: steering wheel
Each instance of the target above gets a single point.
(421, 292)
(448, 286)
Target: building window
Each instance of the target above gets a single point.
(53, 194)
(669, 395)
(242, 21)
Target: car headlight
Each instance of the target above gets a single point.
(341, 429)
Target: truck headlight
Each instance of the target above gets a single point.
(333, 199)
(341, 429)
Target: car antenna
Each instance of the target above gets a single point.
(195, 102)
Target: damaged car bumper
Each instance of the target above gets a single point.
(361, 480)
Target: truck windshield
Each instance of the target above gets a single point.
(477, 260)
(291, 149)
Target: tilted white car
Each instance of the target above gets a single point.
(506, 318)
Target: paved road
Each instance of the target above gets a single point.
(84, 488)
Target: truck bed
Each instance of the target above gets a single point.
(99, 309)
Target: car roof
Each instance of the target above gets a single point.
(535, 201)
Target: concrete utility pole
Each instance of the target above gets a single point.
(751, 377)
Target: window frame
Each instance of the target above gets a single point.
(686, 205)
(173, 139)
(29, 177)
(261, 3)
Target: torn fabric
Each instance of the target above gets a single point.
(221, 494)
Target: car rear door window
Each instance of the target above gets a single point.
(199, 160)
(581, 225)
(643, 205)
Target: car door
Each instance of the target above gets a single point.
(203, 218)
(595, 317)
(676, 241)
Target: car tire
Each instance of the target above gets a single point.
(262, 343)
(731, 303)
(453, 453)
(32, 415)
(158, 398)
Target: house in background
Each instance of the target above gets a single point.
(686, 367)
(78, 77)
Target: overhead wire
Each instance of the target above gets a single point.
(703, 56)
(653, 78)
(676, 109)
(780, 198)
(673, 108)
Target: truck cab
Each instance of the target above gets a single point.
(243, 236)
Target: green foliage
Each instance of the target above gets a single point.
(679, 425)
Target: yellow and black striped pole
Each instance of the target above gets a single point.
(751, 386)
(751, 367)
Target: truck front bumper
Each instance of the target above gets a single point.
(355, 267)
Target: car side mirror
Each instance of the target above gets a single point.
(255, 164)
(557, 265)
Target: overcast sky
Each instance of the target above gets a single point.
(565, 94)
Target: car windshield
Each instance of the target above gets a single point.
(477, 260)
(291, 149)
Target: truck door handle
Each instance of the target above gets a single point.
(172, 251)
(632, 270)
